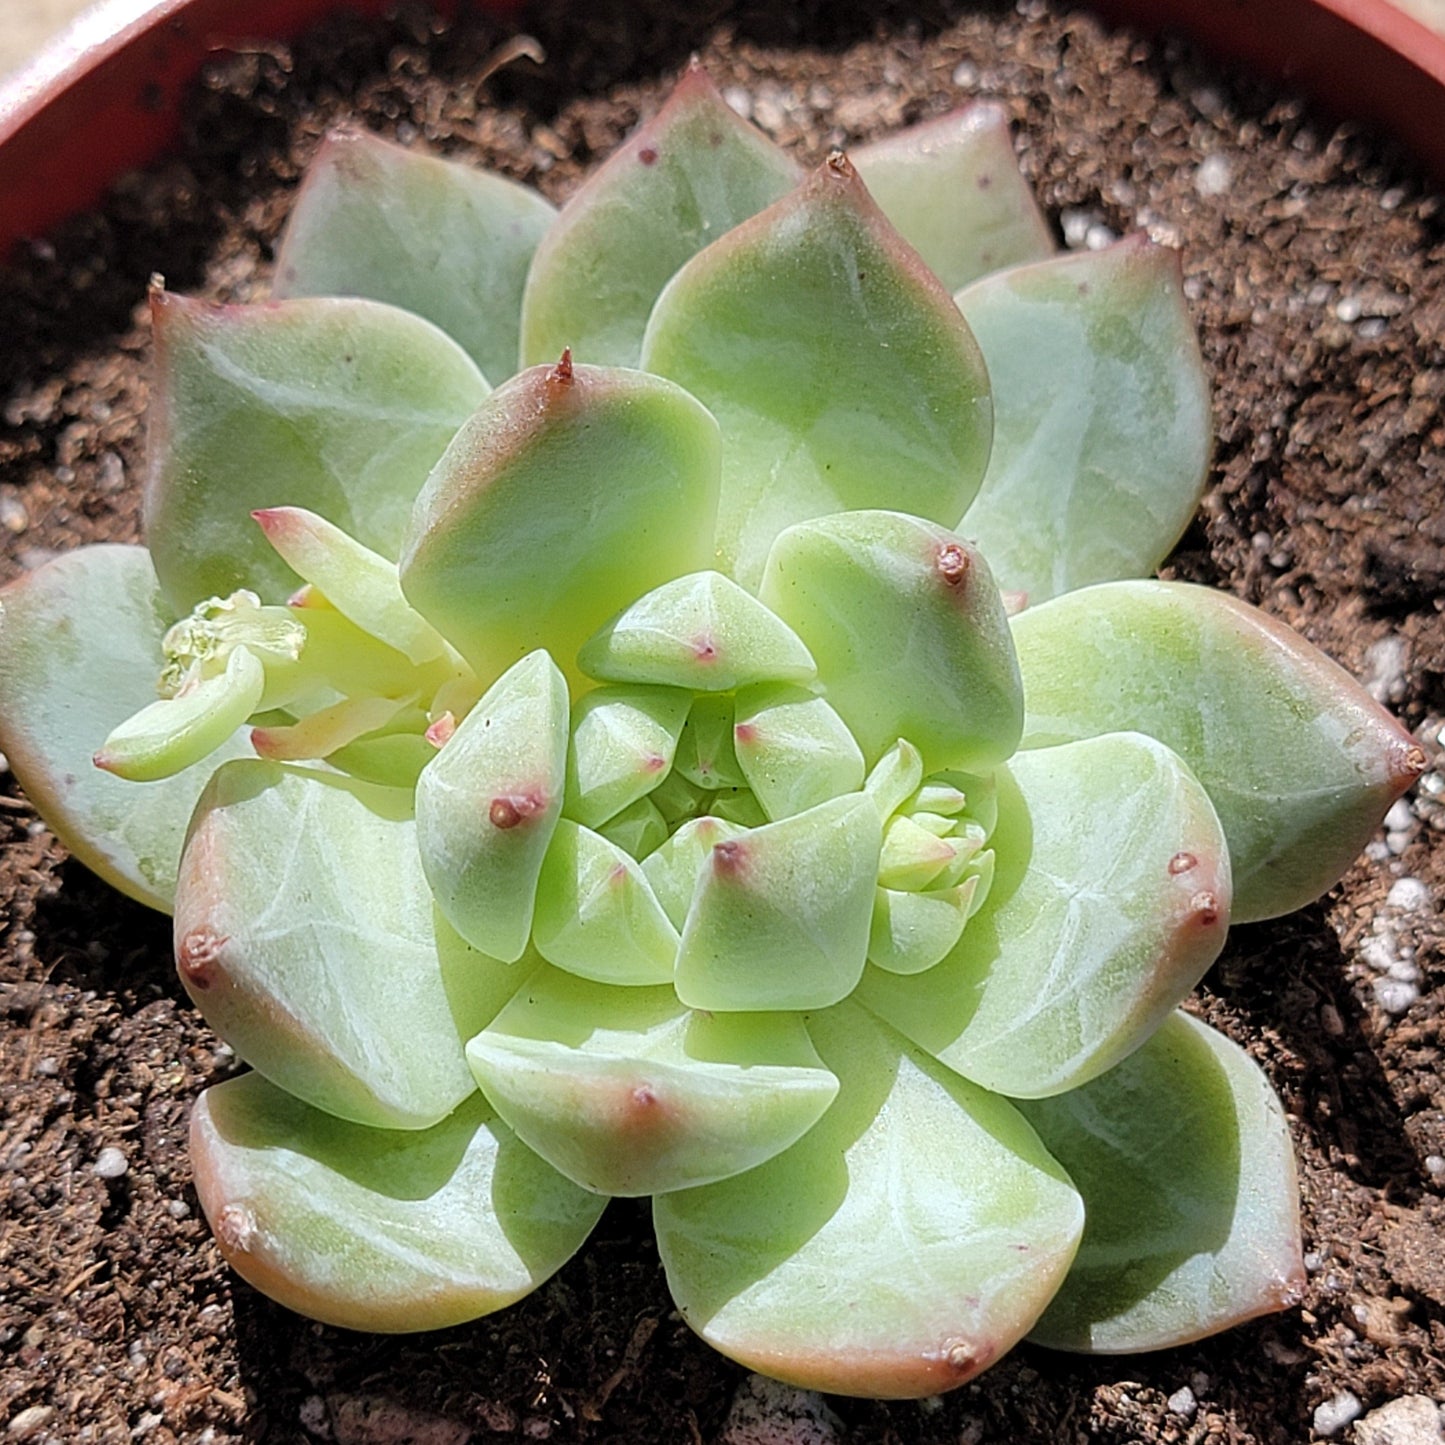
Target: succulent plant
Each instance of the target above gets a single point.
(633, 780)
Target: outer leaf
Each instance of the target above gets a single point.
(953, 189)
(488, 803)
(1102, 428)
(685, 178)
(572, 491)
(338, 406)
(436, 238)
(305, 935)
(840, 370)
(908, 1240)
(1110, 901)
(700, 632)
(374, 1229)
(1183, 1157)
(780, 916)
(597, 915)
(628, 1093)
(908, 631)
(80, 652)
(1299, 761)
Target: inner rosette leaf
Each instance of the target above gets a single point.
(571, 491)
(908, 632)
(628, 1092)
(780, 914)
(622, 746)
(488, 803)
(837, 365)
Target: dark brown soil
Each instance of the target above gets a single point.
(1316, 265)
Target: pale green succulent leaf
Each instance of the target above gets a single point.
(487, 806)
(378, 1229)
(622, 745)
(839, 368)
(305, 935)
(1182, 1154)
(339, 406)
(901, 1246)
(908, 632)
(705, 752)
(675, 866)
(1110, 901)
(953, 189)
(639, 830)
(912, 856)
(627, 1092)
(1102, 427)
(680, 182)
(437, 238)
(1300, 762)
(174, 733)
(80, 652)
(361, 584)
(597, 915)
(894, 778)
(780, 915)
(912, 932)
(570, 492)
(701, 632)
(794, 750)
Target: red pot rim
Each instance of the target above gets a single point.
(104, 97)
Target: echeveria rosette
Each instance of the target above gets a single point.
(625, 777)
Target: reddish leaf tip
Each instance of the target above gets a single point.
(729, 858)
(562, 372)
(236, 1227)
(745, 733)
(198, 955)
(440, 732)
(104, 760)
(1182, 863)
(1204, 908)
(510, 809)
(839, 167)
(952, 564)
(704, 649)
(1412, 764)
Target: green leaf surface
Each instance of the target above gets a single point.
(794, 749)
(572, 491)
(780, 915)
(80, 652)
(684, 179)
(488, 803)
(953, 189)
(376, 1229)
(339, 406)
(1300, 762)
(305, 935)
(437, 238)
(1111, 900)
(701, 632)
(622, 745)
(900, 1247)
(908, 632)
(675, 866)
(1102, 427)
(597, 915)
(1183, 1157)
(838, 367)
(627, 1092)
(912, 932)
(705, 752)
